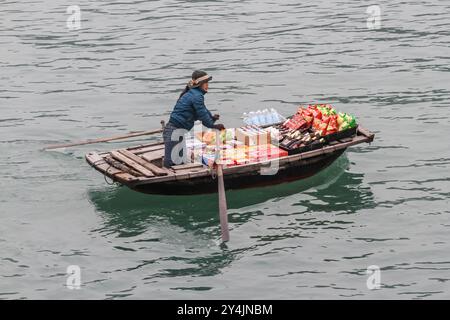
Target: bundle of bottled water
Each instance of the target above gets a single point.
(263, 117)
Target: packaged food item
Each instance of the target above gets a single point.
(316, 113)
(323, 127)
(332, 125)
(305, 129)
(194, 143)
(209, 136)
(309, 128)
(265, 152)
(346, 121)
(316, 123)
(252, 135)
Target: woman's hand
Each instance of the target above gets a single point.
(219, 126)
(216, 117)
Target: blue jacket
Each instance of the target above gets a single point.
(189, 108)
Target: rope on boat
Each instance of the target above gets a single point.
(104, 176)
(214, 174)
(107, 171)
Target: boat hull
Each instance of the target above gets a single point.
(140, 168)
(298, 170)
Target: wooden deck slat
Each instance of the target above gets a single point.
(148, 149)
(122, 167)
(187, 174)
(343, 140)
(108, 168)
(153, 155)
(366, 133)
(190, 170)
(187, 166)
(101, 165)
(96, 160)
(131, 163)
(125, 176)
(147, 145)
(155, 170)
(200, 173)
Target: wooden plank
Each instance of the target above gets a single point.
(123, 168)
(190, 170)
(329, 149)
(154, 170)
(124, 177)
(183, 176)
(188, 173)
(101, 165)
(148, 149)
(153, 155)
(93, 158)
(187, 166)
(366, 133)
(251, 167)
(314, 153)
(146, 145)
(199, 173)
(157, 179)
(107, 168)
(166, 170)
(131, 163)
(343, 140)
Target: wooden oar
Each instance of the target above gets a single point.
(99, 140)
(222, 196)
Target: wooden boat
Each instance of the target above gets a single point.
(140, 168)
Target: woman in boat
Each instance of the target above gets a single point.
(189, 108)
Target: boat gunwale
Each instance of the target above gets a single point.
(362, 136)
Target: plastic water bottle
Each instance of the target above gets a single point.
(272, 116)
(275, 116)
(261, 118)
(266, 117)
(245, 117)
(256, 118)
(250, 118)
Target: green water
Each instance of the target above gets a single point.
(384, 204)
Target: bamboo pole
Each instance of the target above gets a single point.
(99, 140)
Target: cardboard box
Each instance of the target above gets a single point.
(252, 137)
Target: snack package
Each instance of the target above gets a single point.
(332, 125)
(251, 136)
(323, 127)
(209, 136)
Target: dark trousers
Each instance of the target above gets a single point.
(169, 145)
